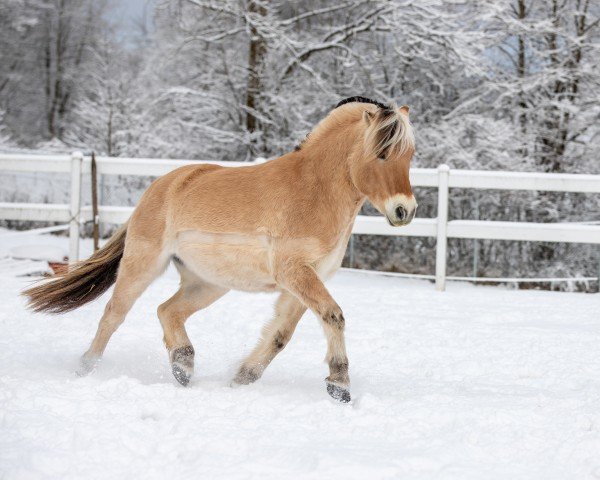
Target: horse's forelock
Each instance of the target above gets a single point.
(391, 130)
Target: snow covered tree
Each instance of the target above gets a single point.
(102, 111)
(46, 45)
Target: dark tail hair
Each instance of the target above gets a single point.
(85, 281)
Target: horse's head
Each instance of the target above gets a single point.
(380, 162)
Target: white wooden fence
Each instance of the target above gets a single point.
(441, 178)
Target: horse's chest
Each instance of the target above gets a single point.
(330, 263)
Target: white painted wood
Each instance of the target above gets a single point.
(557, 182)
(76, 161)
(419, 227)
(153, 167)
(35, 163)
(43, 212)
(424, 177)
(442, 225)
(111, 214)
(531, 232)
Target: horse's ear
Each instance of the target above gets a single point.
(405, 109)
(368, 116)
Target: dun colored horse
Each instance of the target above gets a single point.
(279, 226)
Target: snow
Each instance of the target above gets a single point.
(471, 383)
(39, 252)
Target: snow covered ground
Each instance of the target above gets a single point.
(472, 383)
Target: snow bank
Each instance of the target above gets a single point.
(472, 383)
(43, 252)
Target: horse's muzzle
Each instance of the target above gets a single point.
(401, 216)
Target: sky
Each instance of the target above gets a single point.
(127, 15)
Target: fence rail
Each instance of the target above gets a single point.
(442, 178)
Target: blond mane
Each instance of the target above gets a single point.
(390, 131)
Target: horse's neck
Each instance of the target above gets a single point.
(326, 167)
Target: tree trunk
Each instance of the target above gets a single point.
(58, 64)
(109, 130)
(48, 74)
(554, 134)
(521, 68)
(256, 56)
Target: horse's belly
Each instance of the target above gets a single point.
(231, 261)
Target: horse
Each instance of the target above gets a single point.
(280, 226)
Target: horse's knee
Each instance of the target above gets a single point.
(279, 341)
(334, 318)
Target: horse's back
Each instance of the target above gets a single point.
(281, 198)
(233, 199)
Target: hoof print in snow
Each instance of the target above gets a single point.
(338, 393)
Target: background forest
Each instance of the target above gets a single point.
(502, 85)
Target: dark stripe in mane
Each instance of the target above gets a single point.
(384, 135)
(386, 111)
(299, 146)
(362, 100)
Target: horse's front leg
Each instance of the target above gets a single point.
(302, 280)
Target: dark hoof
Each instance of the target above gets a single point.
(338, 393)
(87, 365)
(181, 375)
(182, 364)
(245, 376)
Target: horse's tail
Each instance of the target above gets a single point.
(84, 282)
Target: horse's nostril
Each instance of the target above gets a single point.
(401, 212)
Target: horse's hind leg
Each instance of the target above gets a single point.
(193, 295)
(275, 336)
(137, 270)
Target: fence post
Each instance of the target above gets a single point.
(598, 280)
(476, 242)
(75, 209)
(442, 228)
